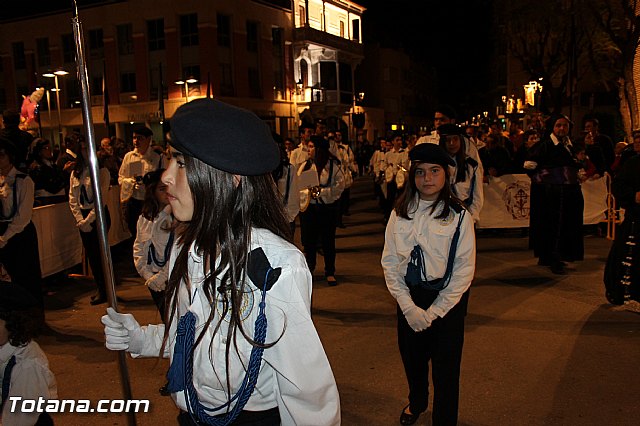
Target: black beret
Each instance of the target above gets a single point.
(143, 130)
(446, 110)
(431, 153)
(14, 297)
(450, 130)
(225, 137)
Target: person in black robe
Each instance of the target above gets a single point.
(557, 205)
(622, 271)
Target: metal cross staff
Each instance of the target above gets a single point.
(107, 264)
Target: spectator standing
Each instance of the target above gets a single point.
(48, 179)
(109, 160)
(530, 138)
(495, 158)
(557, 205)
(142, 160)
(66, 160)
(599, 147)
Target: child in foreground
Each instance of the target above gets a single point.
(24, 369)
(429, 262)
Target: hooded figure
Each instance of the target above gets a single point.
(556, 202)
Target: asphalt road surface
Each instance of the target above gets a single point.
(540, 349)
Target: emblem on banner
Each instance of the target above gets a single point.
(516, 199)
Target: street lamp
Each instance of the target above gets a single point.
(186, 83)
(55, 75)
(49, 112)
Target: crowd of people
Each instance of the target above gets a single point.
(212, 227)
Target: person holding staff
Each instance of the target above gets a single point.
(239, 334)
(429, 262)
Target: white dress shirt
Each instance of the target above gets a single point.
(31, 378)
(24, 200)
(434, 237)
(295, 374)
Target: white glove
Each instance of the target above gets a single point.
(157, 283)
(418, 318)
(122, 332)
(84, 226)
(530, 165)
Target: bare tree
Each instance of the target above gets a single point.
(546, 41)
(613, 46)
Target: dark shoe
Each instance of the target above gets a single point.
(164, 391)
(331, 280)
(98, 300)
(408, 419)
(558, 268)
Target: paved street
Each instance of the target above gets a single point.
(540, 349)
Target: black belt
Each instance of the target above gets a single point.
(269, 417)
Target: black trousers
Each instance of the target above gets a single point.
(389, 202)
(246, 418)
(91, 244)
(319, 222)
(441, 345)
(133, 209)
(21, 258)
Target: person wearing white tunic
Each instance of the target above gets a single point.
(429, 263)
(240, 338)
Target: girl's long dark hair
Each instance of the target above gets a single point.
(224, 214)
(407, 202)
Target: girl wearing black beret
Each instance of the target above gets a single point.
(239, 334)
(429, 262)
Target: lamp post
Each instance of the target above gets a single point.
(186, 83)
(49, 112)
(55, 75)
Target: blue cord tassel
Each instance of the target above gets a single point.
(180, 374)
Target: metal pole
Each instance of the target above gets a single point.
(107, 264)
(49, 112)
(58, 108)
(186, 91)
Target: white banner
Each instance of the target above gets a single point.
(506, 202)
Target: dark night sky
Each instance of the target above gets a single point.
(453, 36)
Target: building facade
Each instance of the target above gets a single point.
(284, 60)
